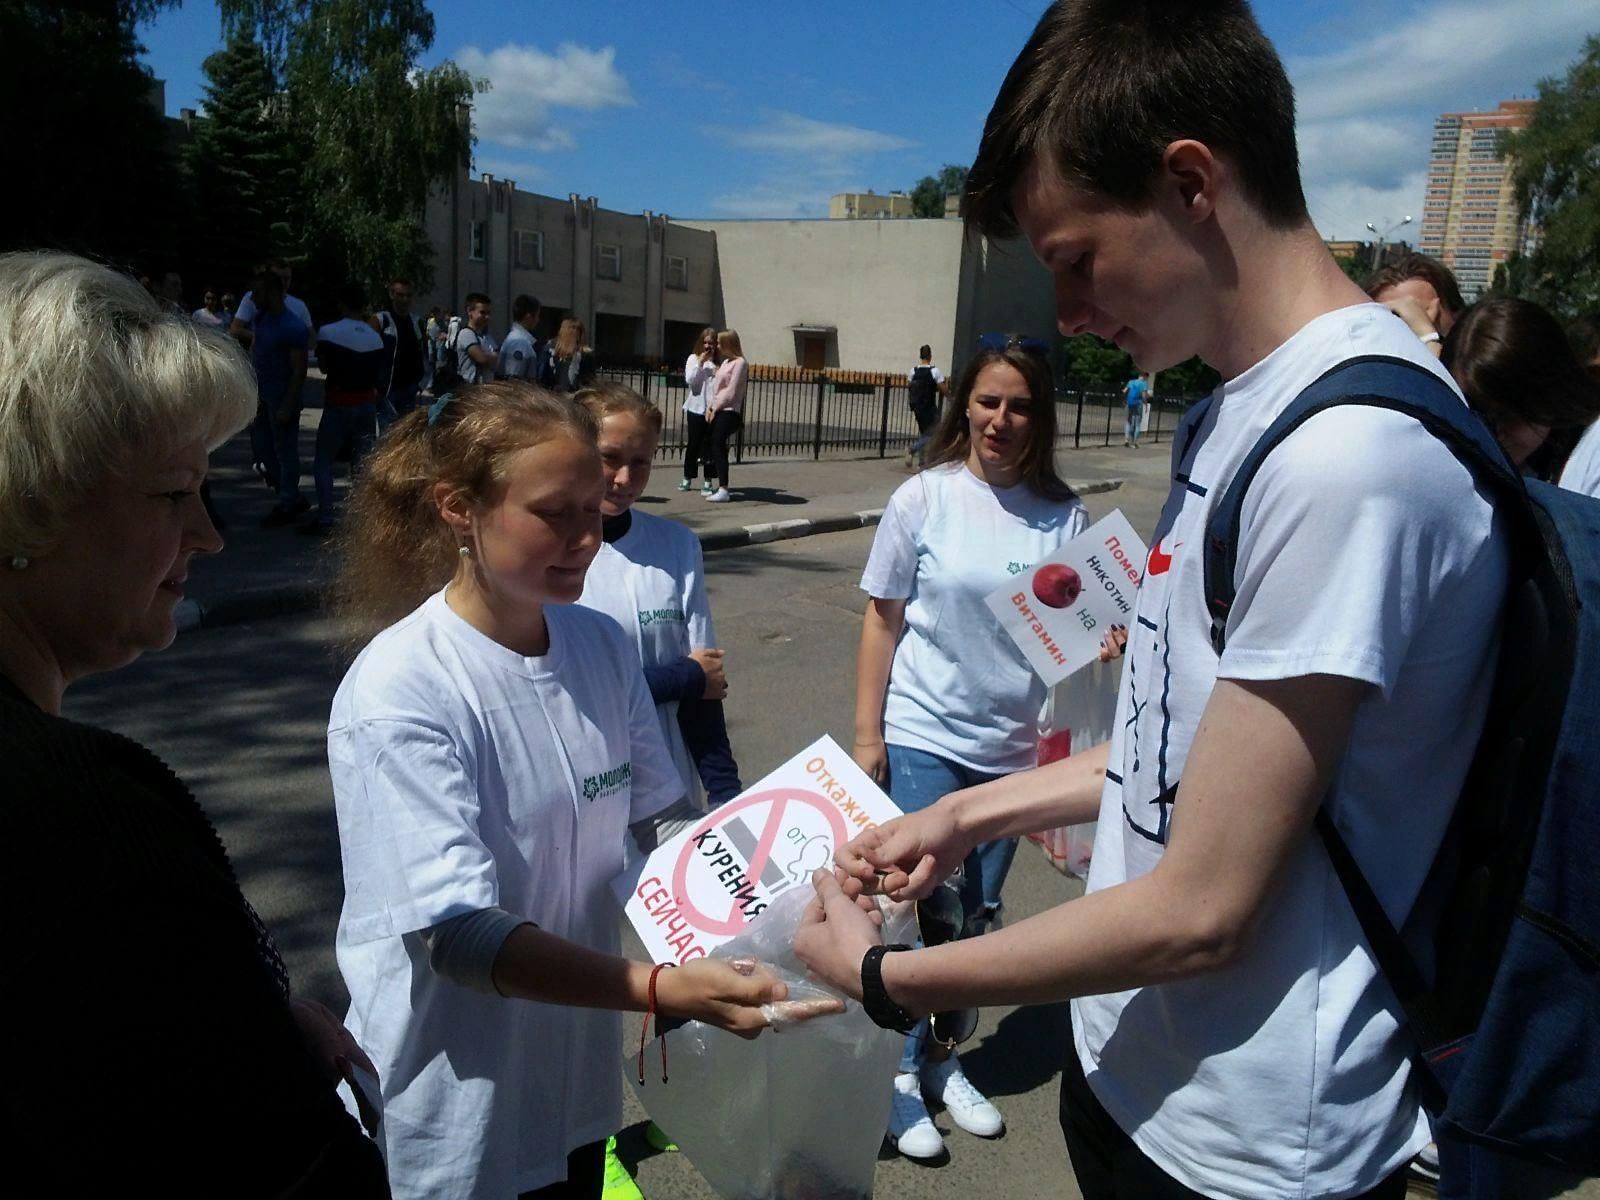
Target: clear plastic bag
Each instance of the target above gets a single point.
(796, 1114)
(1077, 716)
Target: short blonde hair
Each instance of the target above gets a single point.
(92, 374)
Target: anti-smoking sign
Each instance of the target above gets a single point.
(1058, 611)
(705, 885)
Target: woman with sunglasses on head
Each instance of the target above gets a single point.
(944, 698)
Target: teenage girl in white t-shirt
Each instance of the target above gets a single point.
(489, 752)
(944, 698)
(699, 374)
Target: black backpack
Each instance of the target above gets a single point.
(1506, 1027)
(924, 390)
(447, 375)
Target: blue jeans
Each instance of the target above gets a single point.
(342, 427)
(1131, 428)
(279, 449)
(917, 780)
(402, 398)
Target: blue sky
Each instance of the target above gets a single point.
(764, 110)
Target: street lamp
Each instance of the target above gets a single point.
(1377, 249)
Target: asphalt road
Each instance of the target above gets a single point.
(240, 713)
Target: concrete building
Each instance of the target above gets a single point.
(863, 295)
(855, 294)
(1470, 218)
(855, 206)
(643, 285)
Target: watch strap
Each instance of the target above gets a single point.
(875, 1000)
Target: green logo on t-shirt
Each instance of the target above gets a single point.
(1016, 568)
(608, 783)
(660, 616)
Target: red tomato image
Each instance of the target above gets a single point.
(1057, 585)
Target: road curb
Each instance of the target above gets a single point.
(286, 599)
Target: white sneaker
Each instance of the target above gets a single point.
(720, 496)
(911, 1129)
(966, 1105)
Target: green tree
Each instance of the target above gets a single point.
(1356, 268)
(1088, 361)
(82, 123)
(927, 197)
(372, 130)
(240, 164)
(1557, 178)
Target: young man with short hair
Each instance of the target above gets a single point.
(1135, 394)
(1423, 293)
(1232, 1036)
(351, 354)
(475, 351)
(408, 353)
(278, 353)
(927, 391)
(520, 352)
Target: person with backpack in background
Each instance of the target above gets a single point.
(568, 360)
(927, 391)
(471, 354)
(1134, 394)
(410, 353)
(1323, 655)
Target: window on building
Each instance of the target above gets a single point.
(530, 249)
(475, 238)
(677, 272)
(608, 261)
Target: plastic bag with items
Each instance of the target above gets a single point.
(1078, 714)
(799, 1112)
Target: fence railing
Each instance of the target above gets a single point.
(801, 414)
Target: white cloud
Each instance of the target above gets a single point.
(527, 85)
(1366, 108)
(791, 134)
(804, 161)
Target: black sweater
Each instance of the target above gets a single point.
(151, 1040)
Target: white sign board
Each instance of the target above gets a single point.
(1058, 611)
(705, 885)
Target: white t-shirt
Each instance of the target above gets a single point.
(518, 355)
(246, 312)
(1582, 472)
(700, 376)
(959, 686)
(467, 776)
(1366, 551)
(470, 371)
(652, 582)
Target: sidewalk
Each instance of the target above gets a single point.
(270, 572)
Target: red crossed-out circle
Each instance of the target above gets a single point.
(780, 799)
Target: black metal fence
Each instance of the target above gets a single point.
(815, 415)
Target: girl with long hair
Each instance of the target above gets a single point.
(489, 750)
(649, 576)
(699, 373)
(570, 364)
(1521, 374)
(945, 699)
(725, 409)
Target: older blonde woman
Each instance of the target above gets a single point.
(154, 1036)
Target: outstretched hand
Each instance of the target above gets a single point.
(739, 995)
(837, 929)
(904, 858)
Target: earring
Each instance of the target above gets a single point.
(19, 562)
(465, 551)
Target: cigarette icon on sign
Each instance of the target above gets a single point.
(744, 841)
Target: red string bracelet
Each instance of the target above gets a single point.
(644, 1031)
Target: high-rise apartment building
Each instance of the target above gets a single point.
(1470, 218)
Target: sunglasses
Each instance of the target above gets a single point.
(1002, 341)
(941, 919)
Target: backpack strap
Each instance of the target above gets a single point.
(1376, 381)
(1187, 428)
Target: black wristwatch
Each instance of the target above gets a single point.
(884, 1012)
